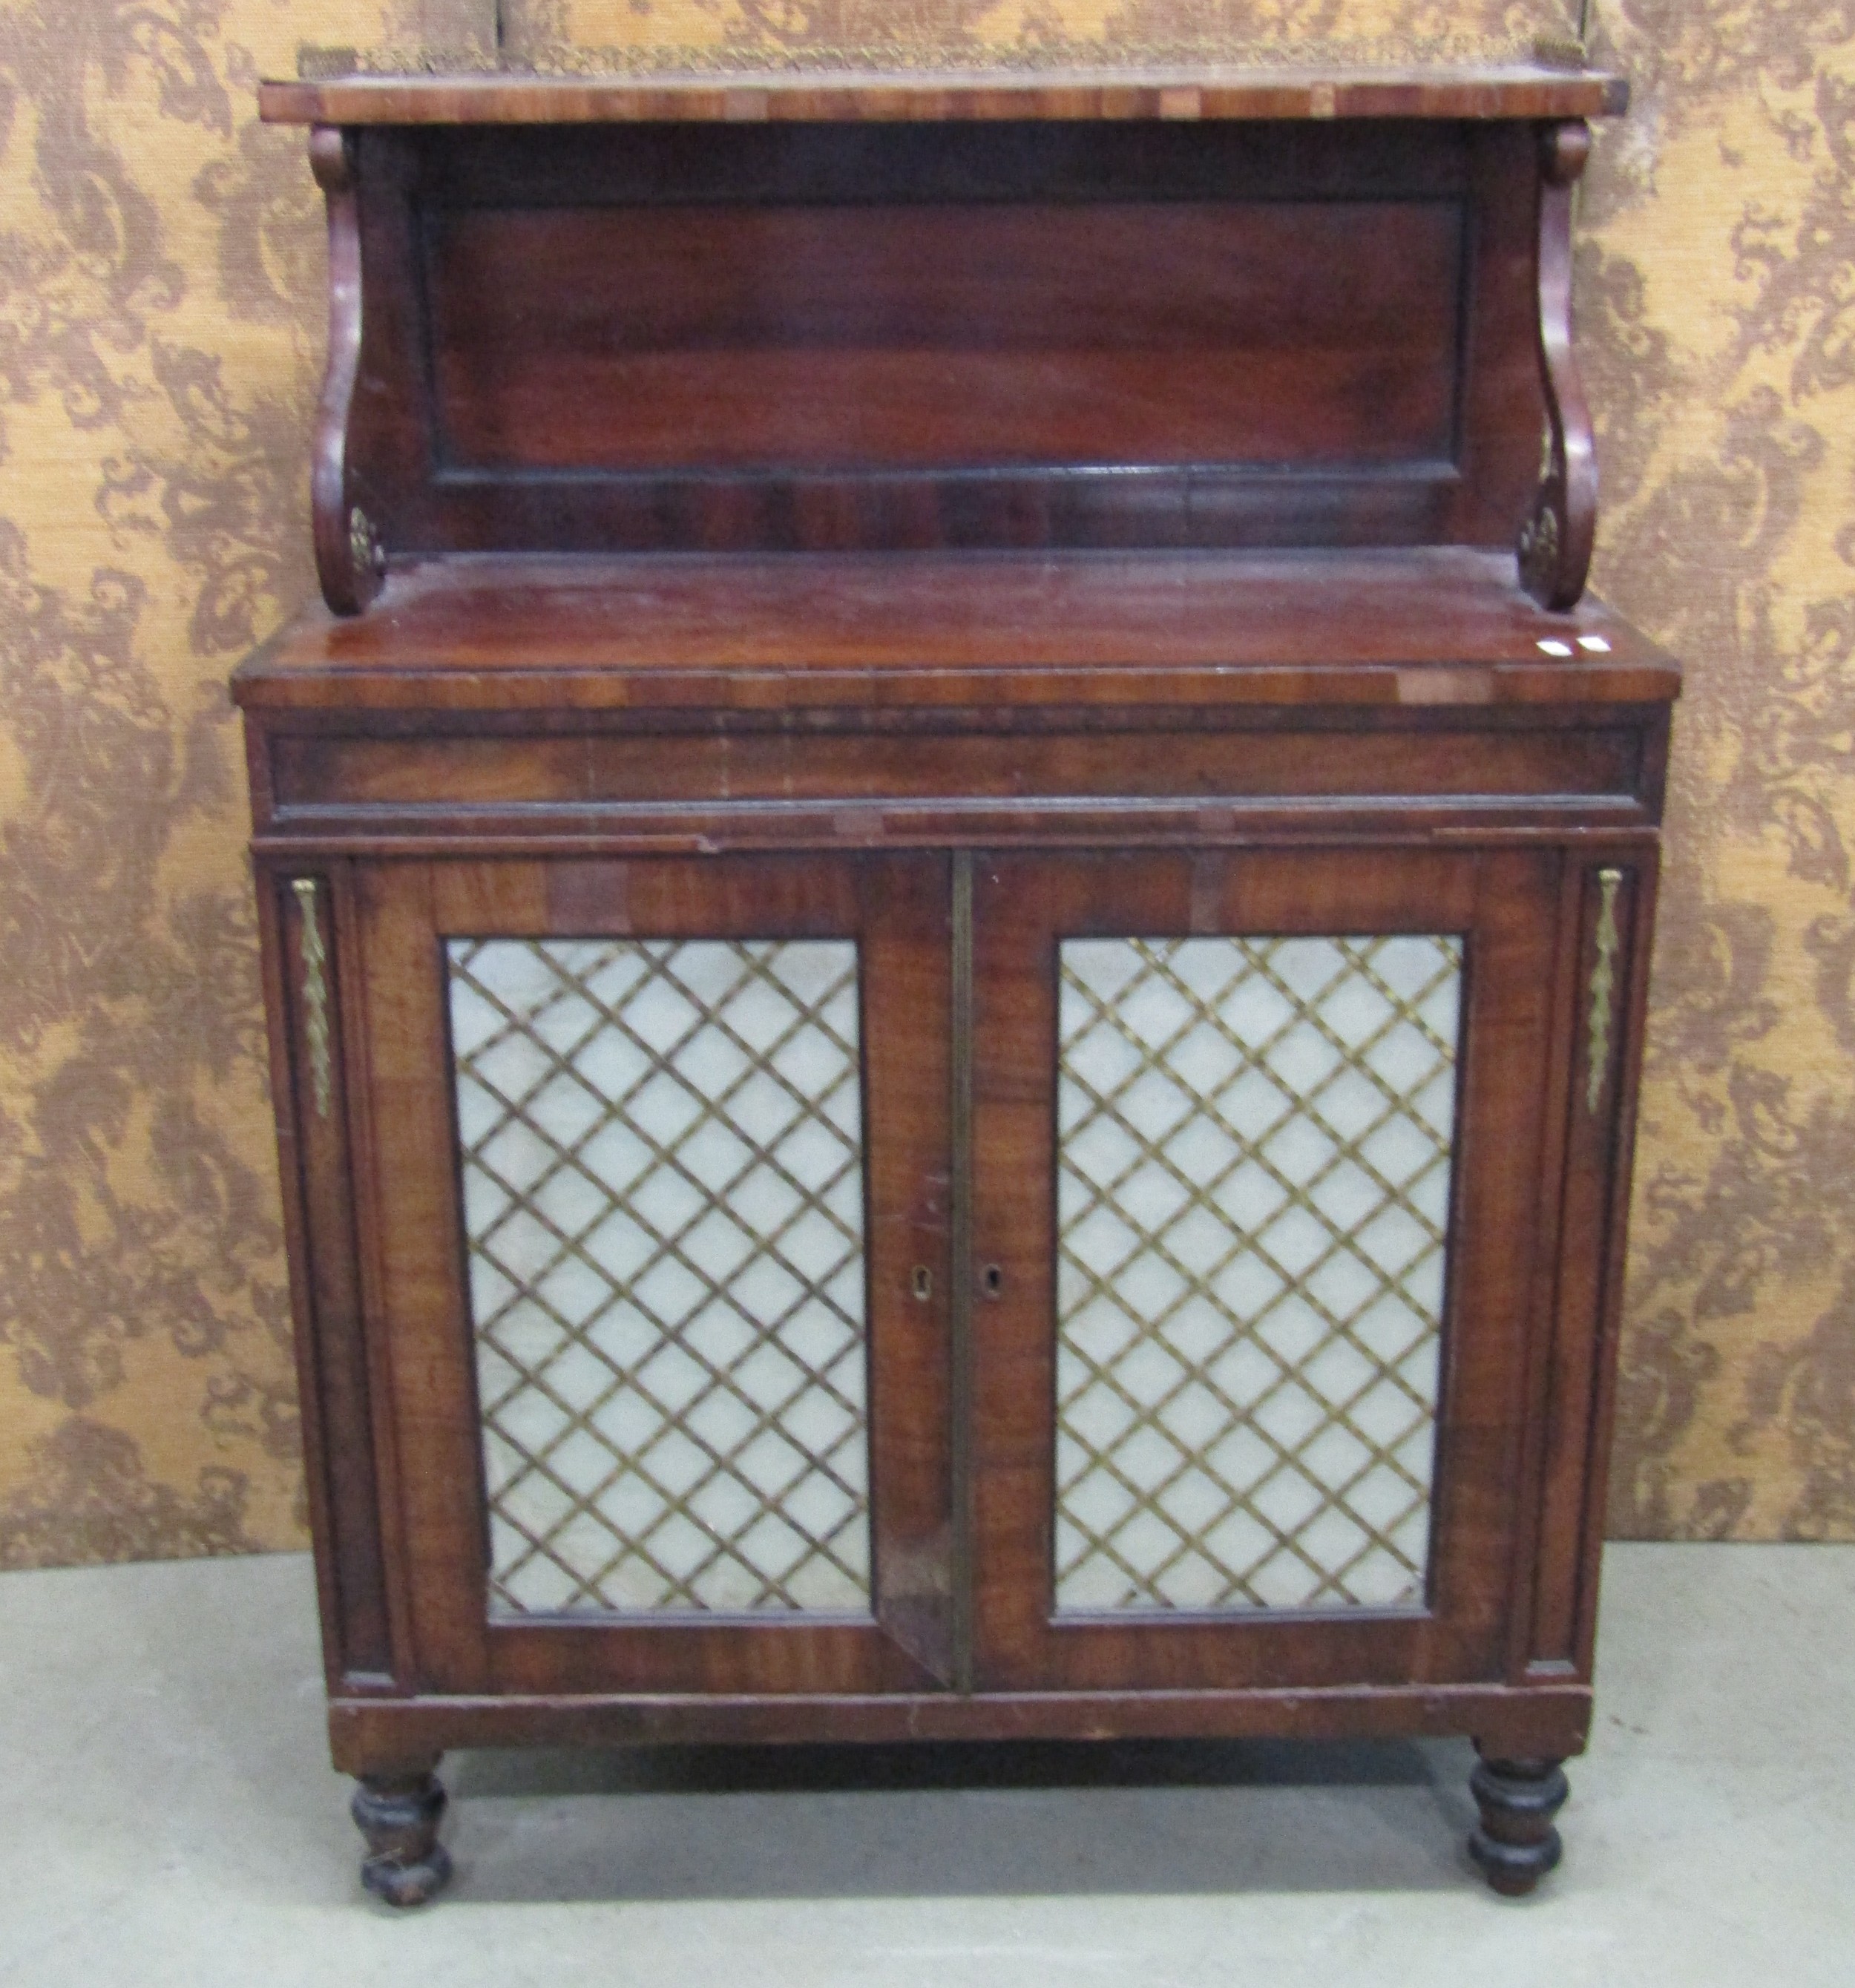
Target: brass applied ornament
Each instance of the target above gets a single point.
(1603, 989)
(1539, 544)
(314, 994)
(363, 545)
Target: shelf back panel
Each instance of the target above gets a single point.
(615, 338)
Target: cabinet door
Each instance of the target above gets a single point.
(659, 1162)
(1255, 1197)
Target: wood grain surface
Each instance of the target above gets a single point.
(1520, 90)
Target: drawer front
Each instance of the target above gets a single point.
(1188, 776)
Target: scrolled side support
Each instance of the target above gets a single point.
(1554, 548)
(348, 558)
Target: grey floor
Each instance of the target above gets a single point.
(167, 1815)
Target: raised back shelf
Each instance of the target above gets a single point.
(868, 315)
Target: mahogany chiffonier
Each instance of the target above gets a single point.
(955, 902)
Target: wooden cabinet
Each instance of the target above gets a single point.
(981, 1132)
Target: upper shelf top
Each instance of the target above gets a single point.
(1520, 90)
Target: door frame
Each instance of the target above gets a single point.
(894, 907)
(1504, 904)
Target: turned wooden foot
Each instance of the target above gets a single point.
(399, 1815)
(1516, 1844)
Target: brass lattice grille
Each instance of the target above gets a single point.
(663, 1197)
(1253, 1186)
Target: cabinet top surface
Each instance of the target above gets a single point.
(1442, 626)
(1520, 90)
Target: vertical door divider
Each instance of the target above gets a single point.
(960, 1292)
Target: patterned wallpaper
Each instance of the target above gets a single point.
(160, 303)
(1717, 301)
(648, 34)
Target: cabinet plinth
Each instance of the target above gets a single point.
(955, 961)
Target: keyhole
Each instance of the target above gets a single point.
(992, 1279)
(923, 1283)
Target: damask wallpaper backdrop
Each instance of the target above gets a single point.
(625, 34)
(161, 308)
